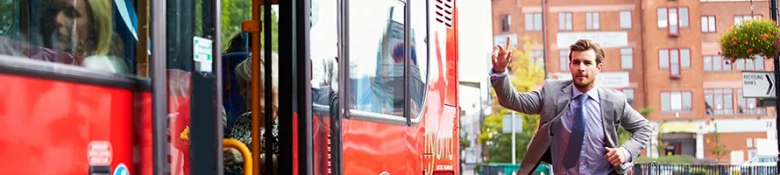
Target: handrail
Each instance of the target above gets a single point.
(245, 153)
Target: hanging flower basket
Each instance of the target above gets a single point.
(752, 38)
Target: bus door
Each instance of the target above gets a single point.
(367, 86)
(185, 71)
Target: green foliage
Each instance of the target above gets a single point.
(526, 75)
(751, 38)
(624, 135)
(719, 148)
(234, 12)
(676, 159)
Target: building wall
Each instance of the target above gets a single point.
(648, 78)
(733, 142)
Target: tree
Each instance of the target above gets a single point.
(719, 148)
(526, 75)
(234, 12)
(624, 135)
(661, 145)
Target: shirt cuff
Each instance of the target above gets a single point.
(494, 75)
(627, 154)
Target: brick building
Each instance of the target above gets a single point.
(662, 54)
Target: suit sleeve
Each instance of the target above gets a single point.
(640, 130)
(508, 97)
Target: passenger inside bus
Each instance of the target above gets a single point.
(75, 32)
(242, 129)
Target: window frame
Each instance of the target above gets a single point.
(630, 23)
(631, 58)
(563, 55)
(723, 65)
(709, 26)
(592, 21)
(678, 19)
(533, 21)
(744, 63)
(406, 119)
(743, 18)
(679, 63)
(505, 23)
(719, 95)
(568, 21)
(682, 101)
(757, 110)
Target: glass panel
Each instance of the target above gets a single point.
(626, 58)
(662, 18)
(376, 56)
(717, 63)
(625, 19)
(686, 101)
(707, 63)
(564, 62)
(324, 82)
(683, 17)
(420, 60)
(685, 58)
(663, 58)
(711, 24)
(529, 21)
(759, 63)
(665, 101)
(84, 33)
(562, 21)
(537, 21)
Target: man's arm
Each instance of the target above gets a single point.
(640, 130)
(508, 97)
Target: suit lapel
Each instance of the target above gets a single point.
(562, 100)
(607, 116)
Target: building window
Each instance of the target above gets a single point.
(673, 18)
(748, 64)
(749, 143)
(533, 21)
(538, 57)
(739, 18)
(629, 93)
(627, 58)
(674, 60)
(564, 55)
(625, 19)
(676, 101)
(748, 106)
(719, 101)
(506, 23)
(708, 24)
(716, 63)
(565, 21)
(592, 20)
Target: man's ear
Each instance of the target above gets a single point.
(600, 66)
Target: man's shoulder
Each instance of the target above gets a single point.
(556, 84)
(613, 95)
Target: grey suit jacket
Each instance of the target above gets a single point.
(550, 102)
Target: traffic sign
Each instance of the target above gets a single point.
(758, 84)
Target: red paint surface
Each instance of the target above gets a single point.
(48, 124)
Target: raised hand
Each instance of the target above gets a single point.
(502, 56)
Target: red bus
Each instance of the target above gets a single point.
(139, 86)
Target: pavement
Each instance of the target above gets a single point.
(469, 170)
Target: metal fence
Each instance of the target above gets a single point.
(651, 169)
(702, 169)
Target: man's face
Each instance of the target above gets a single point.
(584, 68)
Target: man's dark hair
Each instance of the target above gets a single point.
(586, 44)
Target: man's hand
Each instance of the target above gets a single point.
(501, 57)
(615, 156)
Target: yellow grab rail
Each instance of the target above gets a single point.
(245, 153)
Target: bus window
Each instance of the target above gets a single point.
(95, 34)
(376, 57)
(324, 82)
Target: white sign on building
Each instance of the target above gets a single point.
(604, 79)
(605, 39)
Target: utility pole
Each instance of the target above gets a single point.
(514, 142)
(773, 12)
(544, 39)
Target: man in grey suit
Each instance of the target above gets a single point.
(578, 122)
